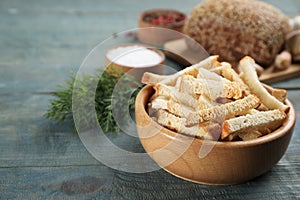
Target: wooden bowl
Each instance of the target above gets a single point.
(135, 71)
(158, 34)
(226, 163)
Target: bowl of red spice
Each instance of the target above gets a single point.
(158, 26)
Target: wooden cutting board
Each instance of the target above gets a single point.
(178, 51)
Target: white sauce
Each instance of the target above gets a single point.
(134, 56)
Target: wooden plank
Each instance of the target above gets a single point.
(179, 51)
(28, 139)
(42, 143)
(160, 184)
(43, 54)
(88, 182)
(292, 84)
(269, 77)
(77, 182)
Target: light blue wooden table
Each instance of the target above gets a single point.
(40, 43)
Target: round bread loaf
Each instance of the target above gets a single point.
(236, 28)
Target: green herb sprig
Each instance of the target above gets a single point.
(60, 108)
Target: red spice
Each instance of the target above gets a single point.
(163, 19)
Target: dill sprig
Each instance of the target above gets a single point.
(60, 108)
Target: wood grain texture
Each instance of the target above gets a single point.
(179, 51)
(226, 163)
(41, 42)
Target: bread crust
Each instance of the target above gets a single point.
(221, 112)
(250, 77)
(209, 131)
(215, 89)
(152, 79)
(237, 28)
(271, 119)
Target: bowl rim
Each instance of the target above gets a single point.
(149, 47)
(278, 133)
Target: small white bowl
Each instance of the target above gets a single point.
(129, 58)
